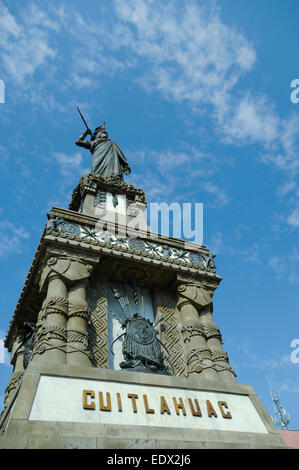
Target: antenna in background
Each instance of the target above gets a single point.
(282, 417)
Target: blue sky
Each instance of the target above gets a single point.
(197, 96)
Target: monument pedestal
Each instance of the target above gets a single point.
(103, 296)
(62, 406)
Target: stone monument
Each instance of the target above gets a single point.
(113, 340)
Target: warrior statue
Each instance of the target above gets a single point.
(107, 158)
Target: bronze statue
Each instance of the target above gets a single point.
(107, 158)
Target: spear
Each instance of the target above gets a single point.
(83, 119)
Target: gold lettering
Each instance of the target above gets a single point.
(164, 406)
(197, 411)
(210, 409)
(222, 404)
(86, 405)
(147, 409)
(133, 397)
(119, 404)
(179, 406)
(102, 406)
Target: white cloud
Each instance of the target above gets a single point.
(253, 120)
(285, 156)
(184, 51)
(286, 265)
(217, 244)
(11, 238)
(68, 163)
(286, 187)
(70, 166)
(171, 183)
(24, 43)
(255, 361)
(293, 218)
(220, 198)
(4, 356)
(191, 54)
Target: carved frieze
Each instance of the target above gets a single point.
(133, 245)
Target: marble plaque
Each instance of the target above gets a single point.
(96, 401)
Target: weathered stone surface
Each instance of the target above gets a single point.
(22, 433)
(65, 299)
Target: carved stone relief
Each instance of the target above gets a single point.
(201, 336)
(98, 326)
(170, 335)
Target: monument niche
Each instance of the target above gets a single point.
(113, 340)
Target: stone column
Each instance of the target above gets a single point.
(214, 342)
(77, 336)
(63, 317)
(50, 343)
(17, 354)
(198, 355)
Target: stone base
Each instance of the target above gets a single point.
(75, 420)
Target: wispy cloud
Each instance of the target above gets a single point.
(185, 52)
(4, 356)
(293, 218)
(171, 183)
(24, 43)
(249, 358)
(11, 238)
(70, 166)
(286, 265)
(191, 52)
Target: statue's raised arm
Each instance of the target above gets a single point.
(107, 158)
(80, 141)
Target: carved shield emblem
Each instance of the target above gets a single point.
(141, 331)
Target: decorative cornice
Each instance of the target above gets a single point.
(124, 250)
(90, 221)
(148, 248)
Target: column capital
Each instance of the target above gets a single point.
(69, 265)
(207, 282)
(194, 293)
